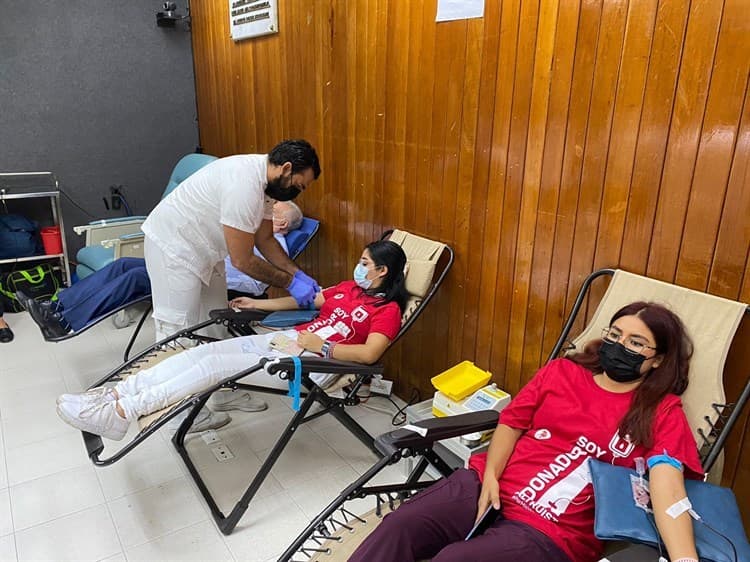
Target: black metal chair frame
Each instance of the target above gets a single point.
(240, 323)
(401, 443)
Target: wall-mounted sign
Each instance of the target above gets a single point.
(252, 18)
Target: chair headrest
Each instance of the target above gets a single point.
(422, 255)
(186, 167)
(296, 239)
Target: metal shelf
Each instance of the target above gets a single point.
(16, 186)
(33, 258)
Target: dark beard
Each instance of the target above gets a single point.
(275, 190)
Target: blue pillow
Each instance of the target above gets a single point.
(616, 516)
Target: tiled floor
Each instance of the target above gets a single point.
(55, 505)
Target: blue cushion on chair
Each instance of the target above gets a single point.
(94, 258)
(297, 239)
(81, 272)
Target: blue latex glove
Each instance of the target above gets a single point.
(302, 276)
(303, 292)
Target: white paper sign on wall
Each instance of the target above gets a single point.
(253, 18)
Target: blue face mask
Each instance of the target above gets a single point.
(360, 276)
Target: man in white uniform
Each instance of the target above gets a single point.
(225, 208)
(287, 216)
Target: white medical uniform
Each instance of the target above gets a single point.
(185, 246)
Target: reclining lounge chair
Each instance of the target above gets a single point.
(428, 264)
(711, 321)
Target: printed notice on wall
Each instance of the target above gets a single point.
(448, 10)
(252, 18)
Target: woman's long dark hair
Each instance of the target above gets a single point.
(670, 377)
(393, 285)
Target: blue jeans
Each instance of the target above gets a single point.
(120, 282)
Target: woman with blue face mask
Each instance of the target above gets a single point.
(358, 319)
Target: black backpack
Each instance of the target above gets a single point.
(19, 237)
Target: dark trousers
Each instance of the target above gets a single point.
(435, 522)
(122, 281)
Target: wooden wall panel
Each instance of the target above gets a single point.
(541, 141)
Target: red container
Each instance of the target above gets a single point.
(51, 240)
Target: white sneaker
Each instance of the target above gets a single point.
(99, 419)
(90, 397)
(236, 400)
(205, 420)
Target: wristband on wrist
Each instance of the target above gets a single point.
(325, 348)
(686, 559)
(330, 350)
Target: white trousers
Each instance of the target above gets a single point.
(197, 369)
(179, 297)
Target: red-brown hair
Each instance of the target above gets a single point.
(670, 377)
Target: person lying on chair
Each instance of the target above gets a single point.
(357, 321)
(122, 281)
(126, 280)
(287, 216)
(615, 401)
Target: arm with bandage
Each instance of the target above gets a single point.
(673, 457)
(667, 486)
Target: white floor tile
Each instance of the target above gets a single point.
(24, 430)
(119, 557)
(86, 535)
(148, 465)
(26, 402)
(308, 450)
(42, 458)
(157, 511)
(346, 444)
(27, 358)
(81, 370)
(201, 543)
(19, 377)
(6, 521)
(268, 527)
(262, 429)
(8, 549)
(313, 494)
(3, 470)
(53, 496)
(228, 480)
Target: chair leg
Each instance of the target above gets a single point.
(227, 523)
(137, 331)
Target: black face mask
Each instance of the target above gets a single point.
(275, 190)
(619, 364)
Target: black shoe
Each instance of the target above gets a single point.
(6, 335)
(23, 299)
(52, 324)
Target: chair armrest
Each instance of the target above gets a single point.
(284, 366)
(437, 430)
(104, 223)
(238, 316)
(109, 229)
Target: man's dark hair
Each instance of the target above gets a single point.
(299, 152)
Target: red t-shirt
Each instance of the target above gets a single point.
(349, 315)
(567, 418)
